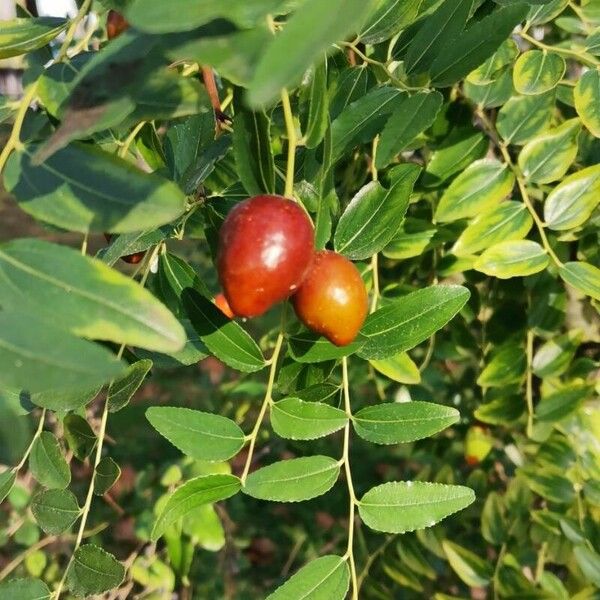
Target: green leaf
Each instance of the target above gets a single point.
(252, 151)
(307, 34)
(107, 474)
(479, 41)
(547, 12)
(317, 99)
(24, 589)
(589, 562)
(79, 436)
(293, 480)
(325, 578)
(550, 484)
(553, 358)
(412, 239)
(20, 36)
(507, 366)
(493, 520)
(192, 353)
(55, 510)
(400, 368)
(7, 480)
(154, 16)
(461, 148)
(524, 117)
(94, 571)
(362, 120)
(583, 277)
(446, 23)
(295, 419)
(38, 356)
(471, 568)
(493, 94)
(121, 390)
(176, 275)
(547, 157)
(205, 489)
(489, 71)
(389, 18)
(201, 435)
(538, 71)
(517, 258)
(47, 463)
(85, 296)
(374, 214)
(401, 506)
(481, 186)
(307, 347)
(352, 84)
(412, 117)
(65, 400)
(562, 403)
(406, 322)
(130, 243)
(401, 422)
(572, 201)
(83, 188)
(509, 220)
(592, 43)
(222, 336)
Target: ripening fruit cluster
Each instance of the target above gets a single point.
(266, 254)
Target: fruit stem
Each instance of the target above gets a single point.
(292, 143)
(346, 460)
(263, 409)
(128, 141)
(36, 435)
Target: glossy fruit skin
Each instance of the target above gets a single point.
(223, 305)
(116, 24)
(332, 300)
(266, 244)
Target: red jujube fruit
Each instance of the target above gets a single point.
(266, 244)
(223, 305)
(332, 300)
(116, 24)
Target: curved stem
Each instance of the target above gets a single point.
(346, 462)
(491, 131)
(36, 435)
(372, 558)
(292, 143)
(268, 399)
(14, 141)
(580, 56)
(129, 140)
(85, 7)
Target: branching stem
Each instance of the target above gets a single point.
(346, 462)
(268, 399)
(292, 143)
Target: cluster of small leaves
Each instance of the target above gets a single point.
(450, 148)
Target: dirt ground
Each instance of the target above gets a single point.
(15, 223)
